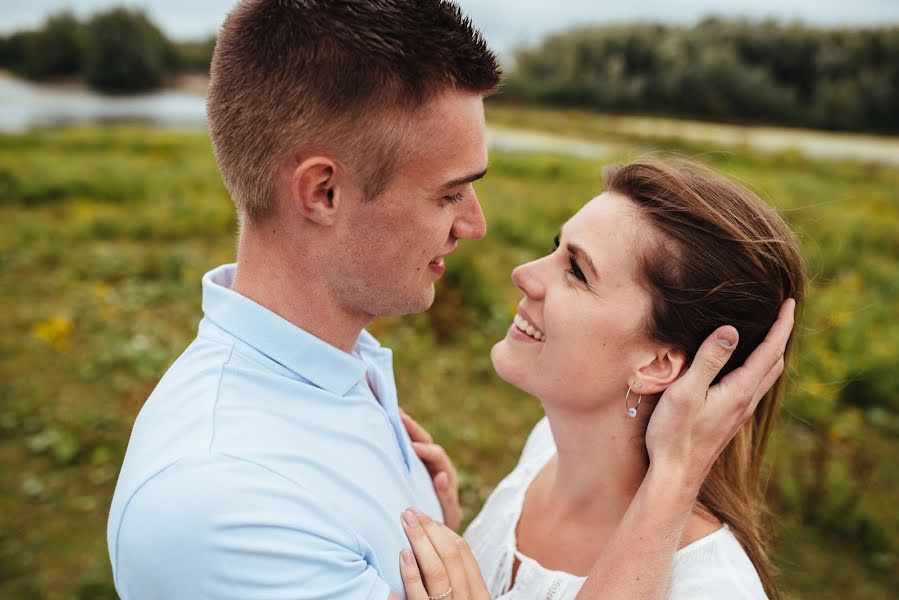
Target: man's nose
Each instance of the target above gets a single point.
(470, 224)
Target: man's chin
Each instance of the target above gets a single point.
(410, 305)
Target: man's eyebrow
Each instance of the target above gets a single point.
(581, 255)
(463, 180)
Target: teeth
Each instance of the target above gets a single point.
(527, 328)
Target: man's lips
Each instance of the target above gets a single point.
(437, 266)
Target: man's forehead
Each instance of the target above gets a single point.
(451, 148)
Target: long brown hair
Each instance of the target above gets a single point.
(724, 257)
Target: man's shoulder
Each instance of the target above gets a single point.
(200, 499)
(196, 487)
(206, 519)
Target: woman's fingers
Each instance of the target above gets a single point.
(744, 381)
(456, 562)
(477, 588)
(766, 384)
(448, 494)
(711, 357)
(441, 469)
(445, 479)
(436, 460)
(692, 422)
(412, 582)
(448, 546)
(414, 429)
(430, 564)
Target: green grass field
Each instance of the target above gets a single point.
(105, 232)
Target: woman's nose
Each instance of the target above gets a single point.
(527, 278)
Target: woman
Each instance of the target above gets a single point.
(640, 276)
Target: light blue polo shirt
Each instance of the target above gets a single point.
(263, 466)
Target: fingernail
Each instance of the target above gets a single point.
(407, 558)
(409, 518)
(417, 512)
(727, 339)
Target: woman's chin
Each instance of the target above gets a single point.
(506, 366)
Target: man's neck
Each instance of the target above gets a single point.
(269, 275)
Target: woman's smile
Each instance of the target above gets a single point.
(522, 324)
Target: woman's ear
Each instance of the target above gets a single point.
(661, 371)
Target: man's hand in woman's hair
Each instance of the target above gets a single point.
(693, 422)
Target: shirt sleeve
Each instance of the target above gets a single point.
(712, 588)
(222, 528)
(709, 576)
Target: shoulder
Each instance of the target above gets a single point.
(207, 524)
(714, 566)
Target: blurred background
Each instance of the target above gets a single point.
(111, 209)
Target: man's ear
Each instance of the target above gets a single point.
(314, 190)
(660, 371)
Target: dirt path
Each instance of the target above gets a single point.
(814, 144)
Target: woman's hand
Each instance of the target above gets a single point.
(442, 565)
(693, 422)
(440, 467)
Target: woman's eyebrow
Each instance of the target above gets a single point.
(580, 254)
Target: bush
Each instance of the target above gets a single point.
(57, 49)
(126, 52)
(194, 57)
(725, 70)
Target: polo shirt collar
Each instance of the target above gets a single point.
(313, 359)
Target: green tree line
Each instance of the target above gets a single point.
(116, 51)
(722, 70)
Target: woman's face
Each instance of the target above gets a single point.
(587, 309)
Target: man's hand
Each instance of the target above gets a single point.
(693, 422)
(440, 467)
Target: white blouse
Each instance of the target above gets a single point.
(711, 568)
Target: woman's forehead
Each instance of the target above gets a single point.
(610, 230)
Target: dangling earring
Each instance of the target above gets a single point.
(632, 410)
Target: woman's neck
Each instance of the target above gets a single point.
(601, 460)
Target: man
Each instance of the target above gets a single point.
(271, 461)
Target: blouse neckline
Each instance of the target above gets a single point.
(528, 475)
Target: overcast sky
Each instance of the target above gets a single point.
(506, 23)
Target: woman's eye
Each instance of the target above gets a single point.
(575, 269)
(556, 242)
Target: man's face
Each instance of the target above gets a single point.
(392, 247)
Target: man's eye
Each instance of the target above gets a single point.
(556, 242)
(575, 269)
(457, 197)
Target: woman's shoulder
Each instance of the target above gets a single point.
(714, 566)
